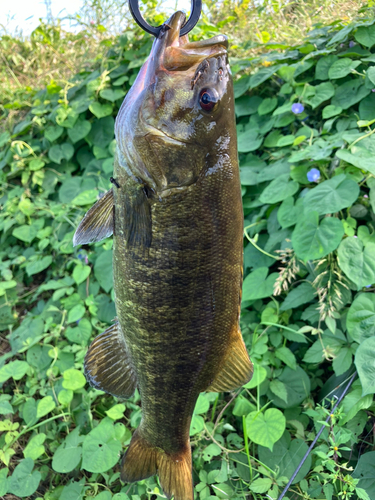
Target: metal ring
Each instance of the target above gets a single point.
(196, 8)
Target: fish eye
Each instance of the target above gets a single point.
(208, 98)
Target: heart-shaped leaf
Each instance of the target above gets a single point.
(357, 261)
(265, 428)
(312, 240)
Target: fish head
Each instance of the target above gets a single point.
(180, 107)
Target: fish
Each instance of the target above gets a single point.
(175, 212)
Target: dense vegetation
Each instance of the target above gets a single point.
(306, 118)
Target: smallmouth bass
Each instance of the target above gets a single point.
(175, 213)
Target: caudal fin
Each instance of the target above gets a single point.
(142, 460)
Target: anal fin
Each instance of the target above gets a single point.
(107, 365)
(236, 370)
(97, 224)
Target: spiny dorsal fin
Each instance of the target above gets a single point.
(237, 369)
(97, 224)
(107, 364)
(137, 225)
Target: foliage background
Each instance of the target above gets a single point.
(305, 113)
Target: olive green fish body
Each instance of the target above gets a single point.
(178, 303)
(176, 215)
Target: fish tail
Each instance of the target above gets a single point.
(143, 460)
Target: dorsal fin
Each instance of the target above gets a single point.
(107, 364)
(237, 369)
(97, 224)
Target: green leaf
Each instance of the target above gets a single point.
(320, 94)
(81, 333)
(343, 361)
(365, 363)
(38, 266)
(330, 111)
(68, 455)
(45, 406)
(111, 94)
(287, 214)
(60, 152)
(3, 481)
(212, 450)
(261, 485)
(332, 195)
(265, 428)
(53, 132)
(365, 35)
(25, 233)
(35, 448)
(14, 369)
(88, 197)
(365, 472)
(357, 261)
(101, 110)
(286, 356)
(279, 389)
(257, 286)
(262, 75)
(279, 189)
(29, 411)
(359, 157)
(76, 313)
(65, 397)
(360, 320)
(302, 294)
(101, 450)
(259, 375)
(103, 270)
(249, 140)
(73, 380)
(116, 412)
(102, 131)
(286, 456)
(79, 131)
(297, 384)
(23, 481)
(312, 241)
(349, 93)
(73, 491)
(5, 408)
(342, 68)
(267, 106)
(36, 164)
(80, 273)
(202, 405)
(323, 65)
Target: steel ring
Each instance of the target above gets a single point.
(196, 9)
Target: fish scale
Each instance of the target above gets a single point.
(177, 223)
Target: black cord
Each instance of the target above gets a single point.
(317, 437)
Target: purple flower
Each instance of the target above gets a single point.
(313, 175)
(86, 259)
(352, 44)
(365, 195)
(297, 108)
(368, 286)
(372, 90)
(81, 255)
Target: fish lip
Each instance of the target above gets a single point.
(155, 132)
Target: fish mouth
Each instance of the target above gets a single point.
(172, 52)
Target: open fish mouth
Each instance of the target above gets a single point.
(172, 52)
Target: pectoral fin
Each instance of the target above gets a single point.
(237, 369)
(107, 364)
(137, 225)
(97, 224)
